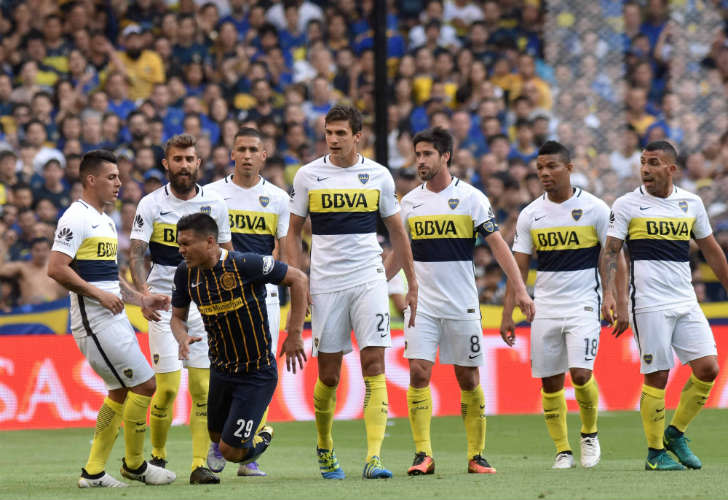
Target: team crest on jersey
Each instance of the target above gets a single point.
(453, 202)
(155, 358)
(577, 213)
(227, 280)
(207, 209)
(363, 178)
(647, 358)
(128, 373)
(264, 200)
(683, 205)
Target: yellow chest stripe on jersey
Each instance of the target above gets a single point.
(564, 238)
(425, 227)
(343, 200)
(249, 222)
(221, 307)
(98, 248)
(164, 234)
(661, 228)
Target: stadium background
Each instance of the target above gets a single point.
(603, 77)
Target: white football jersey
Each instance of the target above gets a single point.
(258, 216)
(343, 203)
(567, 238)
(442, 227)
(89, 238)
(658, 232)
(156, 223)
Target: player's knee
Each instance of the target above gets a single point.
(580, 376)
(198, 386)
(231, 454)
(147, 388)
(419, 377)
(708, 371)
(329, 379)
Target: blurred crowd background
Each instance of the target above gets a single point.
(603, 77)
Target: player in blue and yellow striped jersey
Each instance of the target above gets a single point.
(658, 220)
(228, 288)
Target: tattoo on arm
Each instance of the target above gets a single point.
(137, 250)
(609, 262)
(128, 294)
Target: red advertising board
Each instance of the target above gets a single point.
(45, 382)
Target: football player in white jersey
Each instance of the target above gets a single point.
(443, 216)
(155, 229)
(258, 213)
(566, 226)
(83, 260)
(657, 220)
(343, 193)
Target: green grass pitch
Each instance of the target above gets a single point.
(46, 464)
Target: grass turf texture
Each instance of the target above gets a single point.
(46, 464)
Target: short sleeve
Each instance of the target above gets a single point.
(299, 196)
(601, 221)
(223, 222)
(388, 202)
(180, 291)
(283, 219)
(702, 228)
(522, 242)
(253, 267)
(482, 214)
(143, 225)
(69, 234)
(619, 219)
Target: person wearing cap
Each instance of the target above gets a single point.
(143, 67)
(153, 179)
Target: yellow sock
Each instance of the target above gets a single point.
(161, 415)
(472, 408)
(376, 407)
(419, 406)
(587, 396)
(324, 404)
(199, 383)
(263, 421)
(692, 400)
(135, 425)
(652, 410)
(107, 428)
(554, 412)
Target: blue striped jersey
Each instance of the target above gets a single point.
(658, 232)
(566, 239)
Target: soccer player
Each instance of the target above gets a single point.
(443, 216)
(343, 192)
(84, 260)
(566, 227)
(229, 290)
(155, 229)
(258, 213)
(657, 220)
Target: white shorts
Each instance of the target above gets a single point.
(164, 347)
(365, 308)
(558, 344)
(460, 340)
(682, 328)
(274, 324)
(113, 352)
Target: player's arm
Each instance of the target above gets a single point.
(292, 347)
(294, 242)
(178, 324)
(508, 326)
(609, 268)
(138, 268)
(59, 268)
(402, 249)
(715, 258)
(153, 301)
(228, 245)
(505, 259)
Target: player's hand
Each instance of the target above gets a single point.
(622, 318)
(184, 347)
(153, 302)
(410, 302)
(525, 304)
(508, 329)
(293, 349)
(110, 302)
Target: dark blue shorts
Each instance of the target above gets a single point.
(236, 403)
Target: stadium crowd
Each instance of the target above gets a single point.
(126, 75)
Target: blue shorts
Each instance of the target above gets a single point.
(236, 403)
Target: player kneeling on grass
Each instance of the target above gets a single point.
(229, 291)
(443, 216)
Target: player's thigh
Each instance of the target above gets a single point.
(548, 348)
(582, 340)
(274, 324)
(115, 355)
(163, 346)
(250, 398)
(330, 324)
(198, 356)
(421, 341)
(693, 337)
(219, 399)
(653, 332)
(370, 314)
(462, 342)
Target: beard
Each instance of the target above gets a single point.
(181, 183)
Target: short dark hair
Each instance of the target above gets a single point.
(249, 132)
(92, 161)
(8, 153)
(344, 112)
(555, 148)
(440, 139)
(202, 224)
(665, 147)
(35, 241)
